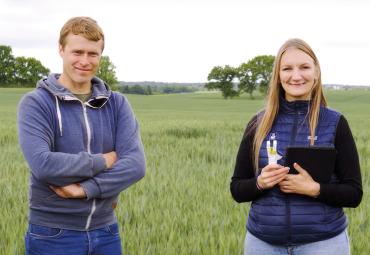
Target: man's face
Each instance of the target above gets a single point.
(81, 59)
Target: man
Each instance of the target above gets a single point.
(83, 147)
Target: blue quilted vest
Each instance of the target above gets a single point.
(290, 219)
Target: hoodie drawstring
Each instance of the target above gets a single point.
(59, 116)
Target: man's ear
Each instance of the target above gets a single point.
(61, 50)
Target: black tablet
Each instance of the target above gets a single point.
(319, 162)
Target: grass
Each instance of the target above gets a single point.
(183, 205)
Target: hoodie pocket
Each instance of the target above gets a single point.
(52, 203)
(105, 206)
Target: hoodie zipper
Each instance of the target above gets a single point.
(88, 131)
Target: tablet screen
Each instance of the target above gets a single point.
(319, 162)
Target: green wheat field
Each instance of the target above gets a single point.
(183, 205)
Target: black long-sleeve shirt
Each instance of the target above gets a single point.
(346, 193)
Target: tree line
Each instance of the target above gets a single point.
(19, 71)
(153, 90)
(232, 81)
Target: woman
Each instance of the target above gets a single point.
(292, 213)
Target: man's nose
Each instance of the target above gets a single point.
(84, 60)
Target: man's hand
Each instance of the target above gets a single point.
(70, 191)
(110, 158)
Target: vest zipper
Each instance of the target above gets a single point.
(292, 142)
(88, 147)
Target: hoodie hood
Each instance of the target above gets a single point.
(100, 91)
(99, 97)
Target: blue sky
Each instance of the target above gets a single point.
(182, 40)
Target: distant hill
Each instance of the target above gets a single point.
(160, 84)
(345, 87)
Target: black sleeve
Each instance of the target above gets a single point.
(348, 192)
(243, 182)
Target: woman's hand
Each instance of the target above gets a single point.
(301, 183)
(271, 175)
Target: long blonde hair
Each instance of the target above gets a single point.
(264, 123)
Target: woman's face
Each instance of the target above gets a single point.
(297, 74)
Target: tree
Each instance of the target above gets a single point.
(246, 78)
(256, 73)
(125, 89)
(28, 71)
(107, 72)
(19, 71)
(137, 89)
(6, 65)
(223, 78)
(148, 90)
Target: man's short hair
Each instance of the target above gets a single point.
(84, 26)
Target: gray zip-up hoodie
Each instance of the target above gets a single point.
(63, 141)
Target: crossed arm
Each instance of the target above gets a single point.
(124, 166)
(75, 190)
(80, 175)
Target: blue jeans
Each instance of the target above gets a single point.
(338, 245)
(44, 240)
